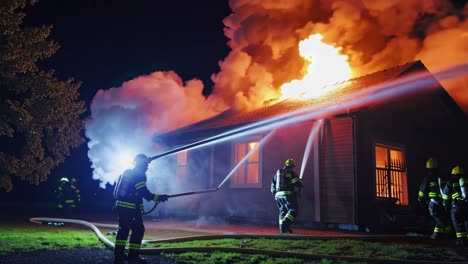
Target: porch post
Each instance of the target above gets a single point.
(316, 158)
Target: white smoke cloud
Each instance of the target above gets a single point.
(124, 119)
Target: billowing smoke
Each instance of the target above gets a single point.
(125, 119)
(263, 37)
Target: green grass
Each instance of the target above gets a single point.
(341, 247)
(22, 237)
(32, 237)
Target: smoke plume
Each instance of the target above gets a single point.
(263, 37)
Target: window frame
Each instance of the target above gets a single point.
(404, 174)
(246, 141)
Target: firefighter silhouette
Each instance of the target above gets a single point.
(430, 195)
(129, 192)
(455, 196)
(285, 186)
(68, 197)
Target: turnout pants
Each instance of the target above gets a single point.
(287, 205)
(440, 218)
(460, 218)
(129, 219)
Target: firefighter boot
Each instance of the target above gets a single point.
(119, 260)
(282, 227)
(285, 227)
(119, 255)
(435, 236)
(134, 257)
(136, 260)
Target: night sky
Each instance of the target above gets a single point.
(105, 43)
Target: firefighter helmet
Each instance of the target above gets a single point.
(431, 163)
(141, 160)
(457, 170)
(64, 179)
(289, 163)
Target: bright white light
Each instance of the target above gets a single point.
(124, 160)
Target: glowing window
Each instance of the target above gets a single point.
(248, 173)
(390, 174)
(181, 167)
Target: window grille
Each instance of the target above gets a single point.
(390, 174)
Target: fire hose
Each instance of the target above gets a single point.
(272, 253)
(180, 194)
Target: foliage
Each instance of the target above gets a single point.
(39, 114)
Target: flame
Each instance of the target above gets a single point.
(325, 66)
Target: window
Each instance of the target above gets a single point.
(248, 171)
(181, 167)
(390, 174)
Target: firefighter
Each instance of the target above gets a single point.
(68, 196)
(129, 193)
(430, 194)
(456, 199)
(464, 191)
(285, 186)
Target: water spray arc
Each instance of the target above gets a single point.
(312, 135)
(265, 139)
(225, 179)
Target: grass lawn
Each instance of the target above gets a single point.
(29, 237)
(23, 236)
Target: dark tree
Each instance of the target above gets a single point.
(39, 114)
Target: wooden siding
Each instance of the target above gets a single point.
(337, 172)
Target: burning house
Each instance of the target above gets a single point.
(360, 148)
(281, 92)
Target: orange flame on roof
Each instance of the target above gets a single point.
(325, 66)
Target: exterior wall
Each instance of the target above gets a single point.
(337, 184)
(328, 195)
(254, 204)
(425, 127)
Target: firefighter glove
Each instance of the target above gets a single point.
(162, 198)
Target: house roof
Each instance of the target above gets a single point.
(229, 119)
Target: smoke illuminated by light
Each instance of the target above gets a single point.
(325, 66)
(124, 160)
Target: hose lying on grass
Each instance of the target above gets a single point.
(272, 253)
